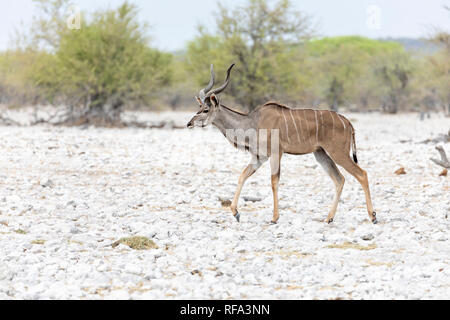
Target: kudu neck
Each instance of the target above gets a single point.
(227, 118)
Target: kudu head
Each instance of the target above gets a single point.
(208, 102)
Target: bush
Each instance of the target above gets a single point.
(104, 66)
(16, 87)
(346, 69)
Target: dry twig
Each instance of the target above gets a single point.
(444, 160)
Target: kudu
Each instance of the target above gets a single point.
(281, 129)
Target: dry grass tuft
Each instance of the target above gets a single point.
(379, 263)
(137, 243)
(38, 241)
(351, 245)
(288, 254)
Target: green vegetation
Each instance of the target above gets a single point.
(16, 85)
(356, 70)
(434, 79)
(266, 44)
(106, 65)
(109, 64)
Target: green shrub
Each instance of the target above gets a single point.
(105, 65)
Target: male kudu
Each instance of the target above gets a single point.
(280, 129)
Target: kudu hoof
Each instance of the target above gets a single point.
(329, 221)
(238, 217)
(273, 222)
(374, 219)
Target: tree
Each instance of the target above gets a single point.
(343, 68)
(49, 25)
(104, 66)
(16, 67)
(265, 44)
(439, 80)
(393, 72)
(439, 64)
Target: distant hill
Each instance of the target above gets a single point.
(410, 44)
(414, 44)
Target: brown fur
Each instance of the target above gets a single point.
(327, 134)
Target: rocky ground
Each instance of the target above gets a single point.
(68, 194)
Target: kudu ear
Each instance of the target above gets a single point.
(214, 100)
(199, 101)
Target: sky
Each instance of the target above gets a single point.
(175, 22)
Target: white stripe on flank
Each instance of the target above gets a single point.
(332, 130)
(317, 126)
(295, 125)
(302, 137)
(321, 123)
(307, 127)
(285, 122)
(339, 116)
(332, 118)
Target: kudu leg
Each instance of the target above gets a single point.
(330, 167)
(349, 165)
(275, 178)
(250, 170)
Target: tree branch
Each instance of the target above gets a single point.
(444, 160)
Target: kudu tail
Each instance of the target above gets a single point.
(354, 145)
